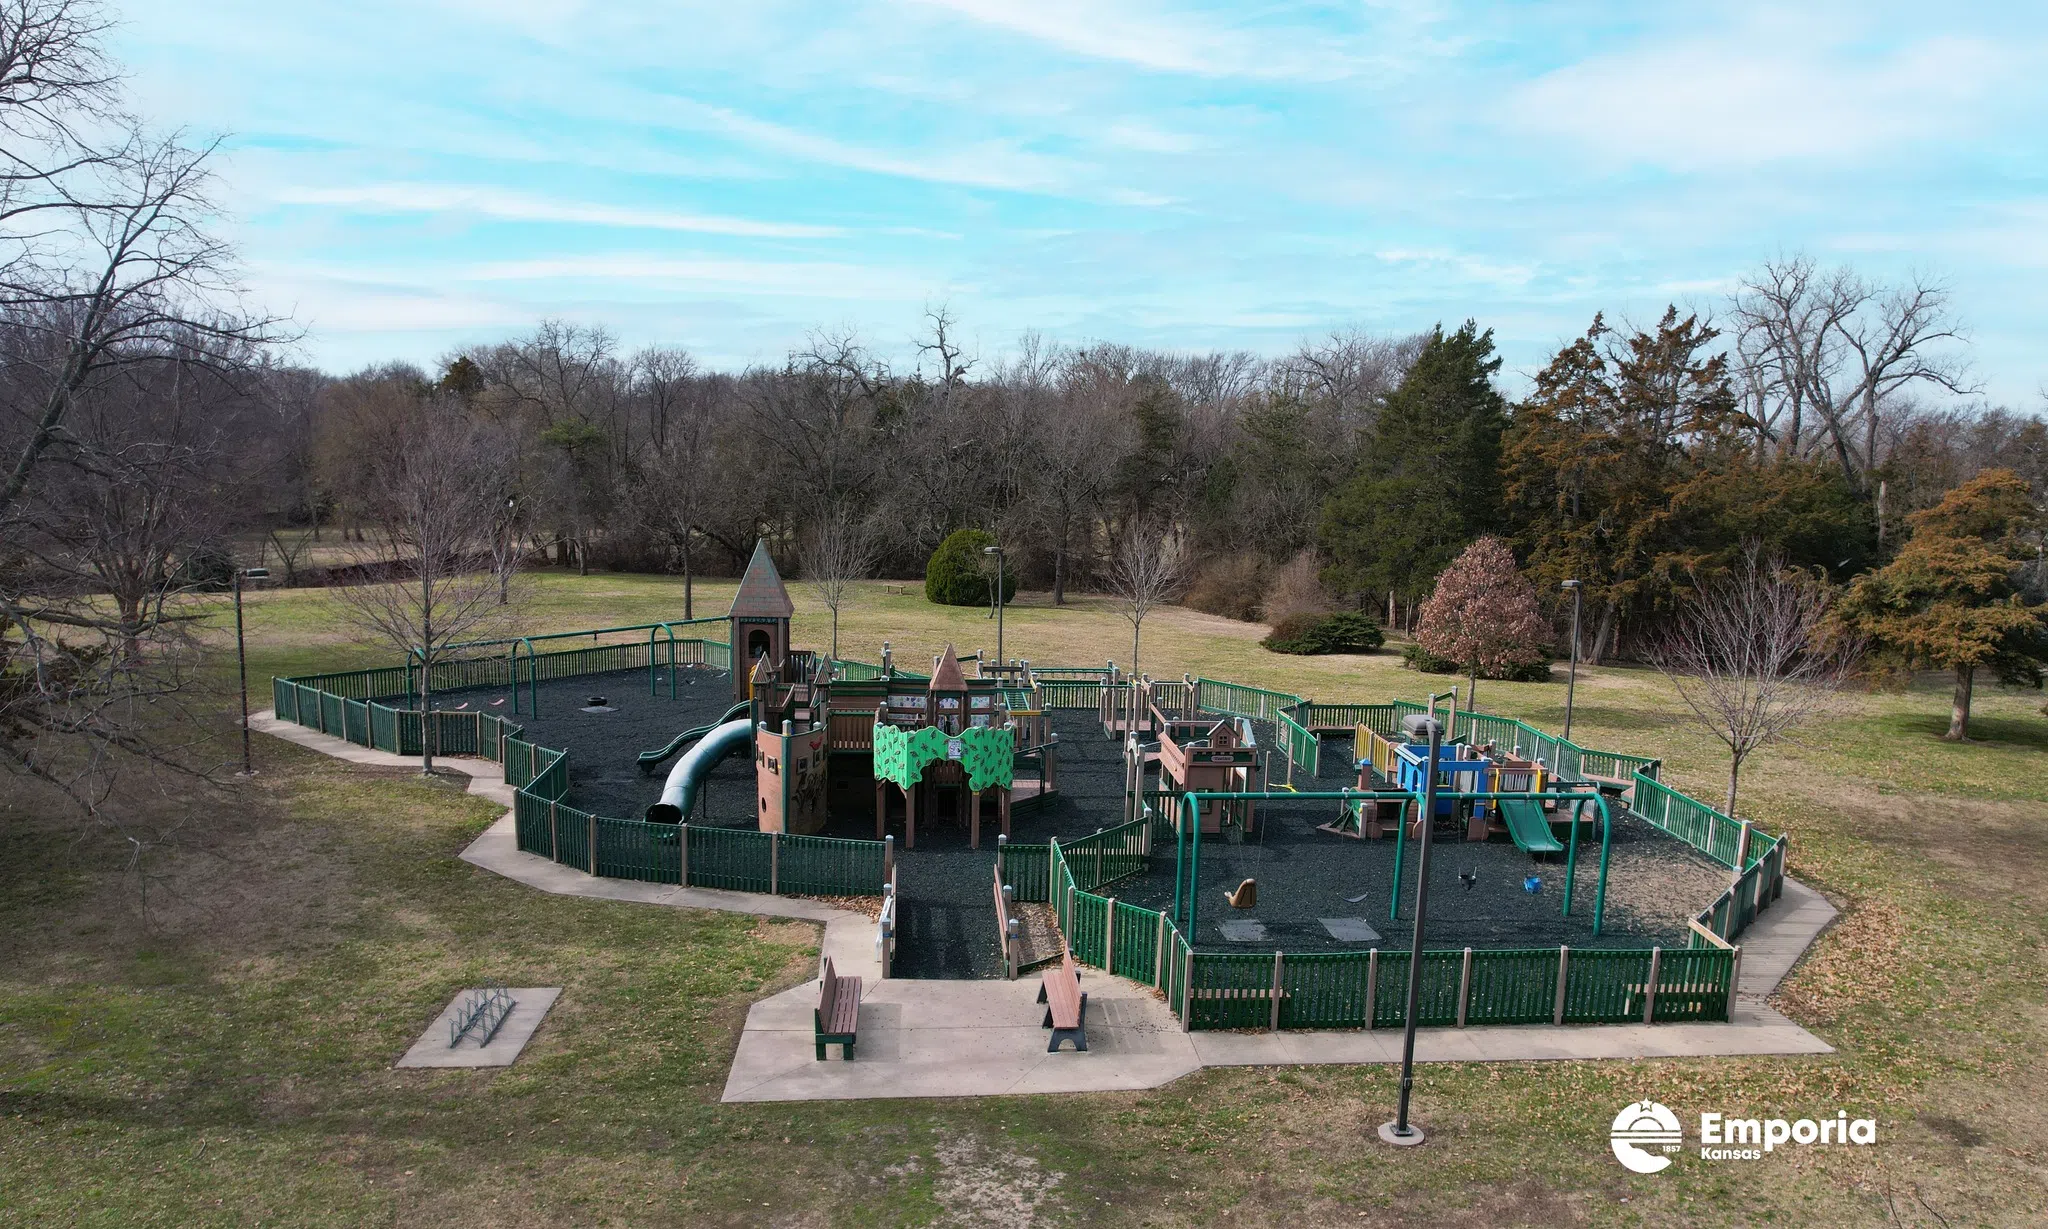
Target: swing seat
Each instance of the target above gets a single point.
(1244, 896)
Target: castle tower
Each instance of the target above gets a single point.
(948, 691)
(760, 617)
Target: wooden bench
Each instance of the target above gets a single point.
(1066, 1007)
(838, 1009)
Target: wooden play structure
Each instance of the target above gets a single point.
(1396, 764)
(1210, 753)
(942, 748)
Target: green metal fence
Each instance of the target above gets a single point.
(1697, 824)
(1303, 747)
(1028, 868)
(1238, 700)
(1070, 693)
(1109, 855)
(1342, 718)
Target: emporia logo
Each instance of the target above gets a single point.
(1641, 1126)
(1645, 1135)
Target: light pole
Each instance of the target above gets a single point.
(997, 551)
(242, 659)
(1400, 1132)
(1571, 685)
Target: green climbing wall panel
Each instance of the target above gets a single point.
(989, 755)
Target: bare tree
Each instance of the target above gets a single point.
(1831, 347)
(107, 263)
(838, 551)
(1752, 656)
(1149, 569)
(426, 581)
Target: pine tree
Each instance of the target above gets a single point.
(1951, 599)
(1429, 481)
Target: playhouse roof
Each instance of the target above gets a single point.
(761, 594)
(946, 675)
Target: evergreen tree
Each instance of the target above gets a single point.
(1603, 460)
(1429, 481)
(1952, 599)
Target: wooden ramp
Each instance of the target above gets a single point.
(1041, 940)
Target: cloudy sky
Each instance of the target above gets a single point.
(409, 175)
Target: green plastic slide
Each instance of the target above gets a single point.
(651, 760)
(1526, 823)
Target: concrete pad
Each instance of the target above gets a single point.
(1245, 931)
(1350, 929)
(529, 1005)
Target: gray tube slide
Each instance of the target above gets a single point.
(680, 792)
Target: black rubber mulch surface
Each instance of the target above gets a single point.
(946, 920)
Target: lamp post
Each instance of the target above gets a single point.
(1571, 685)
(1400, 1132)
(242, 658)
(997, 551)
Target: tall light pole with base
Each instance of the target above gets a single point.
(242, 658)
(1401, 1132)
(997, 551)
(1571, 685)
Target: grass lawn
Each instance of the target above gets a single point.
(211, 1043)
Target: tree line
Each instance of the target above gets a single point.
(156, 438)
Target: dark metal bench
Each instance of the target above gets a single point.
(1066, 1007)
(834, 1020)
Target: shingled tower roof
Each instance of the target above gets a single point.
(946, 675)
(761, 595)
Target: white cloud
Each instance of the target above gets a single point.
(1758, 98)
(513, 206)
(989, 164)
(1164, 42)
(811, 279)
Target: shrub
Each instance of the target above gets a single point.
(1296, 589)
(959, 574)
(1347, 631)
(1229, 586)
(1415, 657)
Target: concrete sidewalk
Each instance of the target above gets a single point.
(982, 1038)
(849, 937)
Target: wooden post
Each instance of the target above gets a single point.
(1650, 991)
(889, 858)
(554, 834)
(1564, 964)
(1109, 935)
(1734, 979)
(1465, 988)
(774, 863)
(683, 849)
(910, 818)
(973, 818)
(1002, 848)
(1187, 990)
(1372, 984)
(1741, 850)
(1013, 944)
(1159, 953)
(592, 820)
(1273, 1025)
(881, 808)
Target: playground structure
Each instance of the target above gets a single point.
(948, 745)
(831, 737)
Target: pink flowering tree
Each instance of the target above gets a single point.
(1484, 615)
